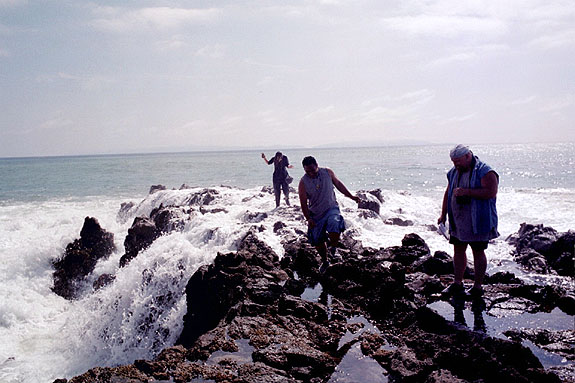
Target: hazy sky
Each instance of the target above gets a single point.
(80, 77)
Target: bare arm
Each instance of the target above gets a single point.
(341, 187)
(265, 159)
(443, 215)
(303, 203)
(488, 189)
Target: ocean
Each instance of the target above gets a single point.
(43, 203)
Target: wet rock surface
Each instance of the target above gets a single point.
(80, 258)
(255, 318)
(544, 250)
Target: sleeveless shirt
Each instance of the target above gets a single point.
(320, 193)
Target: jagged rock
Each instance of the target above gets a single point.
(245, 322)
(141, 235)
(541, 249)
(80, 258)
(156, 188)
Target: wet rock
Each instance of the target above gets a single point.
(279, 226)
(561, 256)
(125, 211)
(369, 201)
(505, 278)
(103, 281)
(397, 221)
(541, 249)
(532, 261)
(141, 235)
(246, 323)
(412, 248)
(440, 263)
(156, 188)
(212, 211)
(255, 217)
(201, 198)
(170, 218)
(80, 258)
(558, 342)
(567, 304)
(443, 376)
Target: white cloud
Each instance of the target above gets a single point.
(12, 3)
(86, 82)
(56, 123)
(213, 51)
(524, 101)
(559, 103)
(162, 18)
(466, 117)
(554, 40)
(320, 113)
(447, 26)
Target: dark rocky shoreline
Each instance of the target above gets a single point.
(250, 318)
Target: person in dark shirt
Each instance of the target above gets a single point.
(281, 177)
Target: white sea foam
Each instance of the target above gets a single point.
(45, 337)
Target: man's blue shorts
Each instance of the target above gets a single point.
(331, 222)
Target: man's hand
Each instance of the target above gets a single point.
(311, 223)
(263, 156)
(355, 198)
(441, 219)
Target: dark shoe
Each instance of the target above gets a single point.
(452, 290)
(323, 267)
(474, 292)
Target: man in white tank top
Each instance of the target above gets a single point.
(320, 208)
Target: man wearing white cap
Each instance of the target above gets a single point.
(470, 203)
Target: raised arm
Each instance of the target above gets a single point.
(341, 187)
(265, 159)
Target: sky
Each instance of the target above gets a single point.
(97, 77)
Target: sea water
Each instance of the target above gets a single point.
(43, 203)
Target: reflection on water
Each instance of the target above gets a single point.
(494, 326)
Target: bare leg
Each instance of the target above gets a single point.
(459, 262)
(480, 264)
(285, 188)
(277, 192)
(322, 250)
(333, 239)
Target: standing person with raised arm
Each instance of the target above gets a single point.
(320, 209)
(280, 178)
(470, 203)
